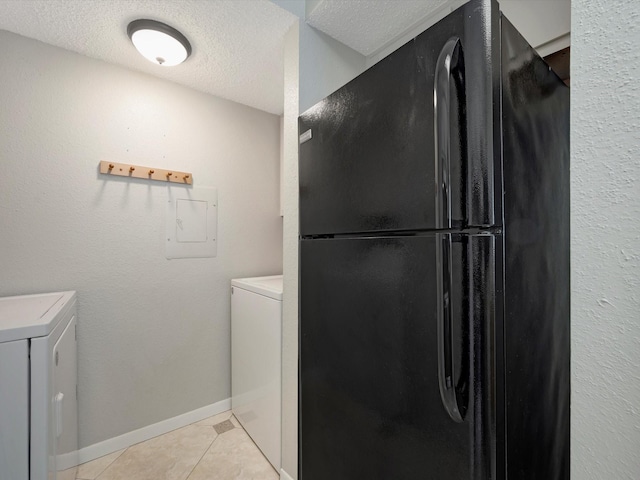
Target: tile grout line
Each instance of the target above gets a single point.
(110, 463)
(205, 451)
(194, 467)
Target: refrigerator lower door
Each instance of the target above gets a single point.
(371, 405)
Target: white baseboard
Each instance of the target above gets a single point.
(114, 444)
(67, 460)
(284, 475)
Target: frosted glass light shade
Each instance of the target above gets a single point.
(159, 43)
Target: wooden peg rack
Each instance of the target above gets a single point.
(148, 173)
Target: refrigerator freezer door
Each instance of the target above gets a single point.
(370, 405)
(369, 163)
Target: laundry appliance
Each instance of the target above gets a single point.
(38, 386)
(256, 360)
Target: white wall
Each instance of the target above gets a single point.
(153, 333)
(605, 248)
(545, 24)
(290, 260)
(325, 66)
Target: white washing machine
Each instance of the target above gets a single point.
(256, 346)
(38, 379)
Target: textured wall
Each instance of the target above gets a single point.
(605, 139)
(153, 333)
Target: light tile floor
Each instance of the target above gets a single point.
(195, 452)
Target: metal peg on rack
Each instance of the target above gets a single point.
(151, 172)
(131, 169)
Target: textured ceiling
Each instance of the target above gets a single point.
(237, 44)
(367, 26)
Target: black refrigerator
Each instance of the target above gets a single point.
(434, 263)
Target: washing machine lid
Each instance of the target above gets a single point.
(269, 286)
(30, 316)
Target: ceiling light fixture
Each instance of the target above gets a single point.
(159, 43)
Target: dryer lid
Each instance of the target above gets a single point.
(30, 316)
(269, 286)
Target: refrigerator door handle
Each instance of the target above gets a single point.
(449, 59)
(445, 336)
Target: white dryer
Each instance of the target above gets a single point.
(38, 386)
(256, 345)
